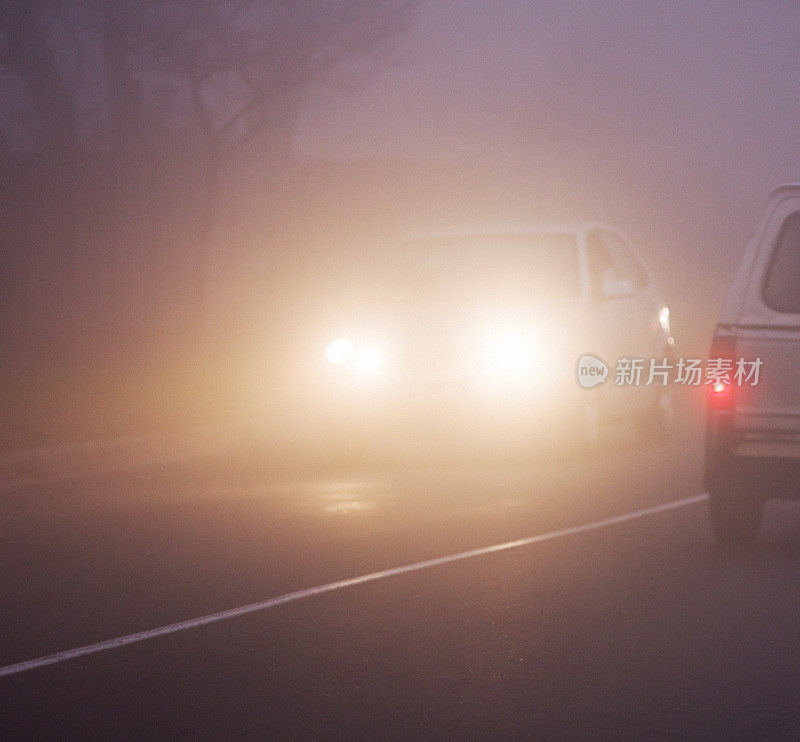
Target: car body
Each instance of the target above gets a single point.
(753, 429)
(475, 333)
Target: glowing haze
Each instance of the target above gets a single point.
(672, 120)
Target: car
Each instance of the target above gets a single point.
(475, 334)
(753, 424)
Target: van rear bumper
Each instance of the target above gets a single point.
(771, 435)
(769, 445)
(765, 462)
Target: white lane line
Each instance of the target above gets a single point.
(173, 628)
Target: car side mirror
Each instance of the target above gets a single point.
(617, 288)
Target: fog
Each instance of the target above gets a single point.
(671, 120)
(166, 198)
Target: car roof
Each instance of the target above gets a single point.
(788, 188)
(515, 229)
(733, 305)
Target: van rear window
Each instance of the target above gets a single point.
(782, 285)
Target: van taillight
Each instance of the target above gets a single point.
(720, 391)
(720, 395)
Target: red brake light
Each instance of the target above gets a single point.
(720, 392)
(720, 396)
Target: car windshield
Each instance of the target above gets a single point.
(497, 266)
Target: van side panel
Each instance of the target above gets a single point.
(767, 413)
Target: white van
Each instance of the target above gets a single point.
(753, 424)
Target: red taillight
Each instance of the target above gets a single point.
(720, 390)
(720, 396)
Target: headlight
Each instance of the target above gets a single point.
(509, 351)
(510, 355)
(339, 351)
(365, 359)
(368, 360)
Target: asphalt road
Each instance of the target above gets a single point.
(636, 629)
